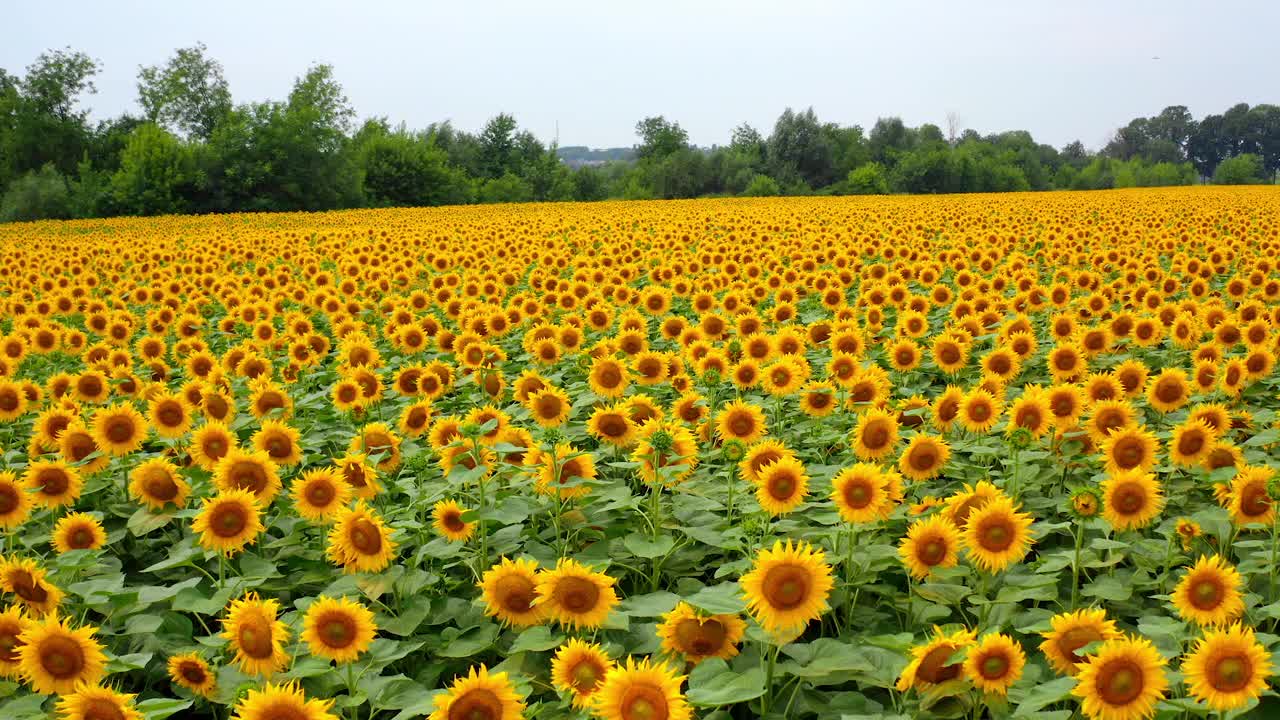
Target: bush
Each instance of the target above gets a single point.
(506, 189)
(41, 195)
(869, 179)
(1243, 169)
(762, 186)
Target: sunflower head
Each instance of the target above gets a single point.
(574, 595)
(479, 696)
(1228, 668)
(338, 629)
(1209, 594)
(190, 671)
(579, 668)
(639, 691)
(447, 518)
(787, 586)
(695, 637)
(932, 663)
(1124, 679)
(56, 658)
(995, 663)
(510, 593)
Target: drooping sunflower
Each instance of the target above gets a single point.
(924, 457)
(210, 443)
(931, 664)
(338, 629)
(55, 658)
(256, 634)
(574, 595)
(741, 421)
(319, 494)
(97, 703)
(1209, 594)
(695, 637)
(578, 669)
(119, 429)
(995, 663)
(52, 483)
(15, 502)
(13, 622)
(190, 671)
(639, 690)
(377, 439)
(782, 486)
(1228, 668)
(282, 702)
(360, 475)
(946, 407)
(447, 518)
(875, 435)
(479, 696)
(78, 531)
(156, 483)
(1131, 499)
(279, 441)
(360, 541)
(510, 593)
(787, 586)
(1251, 501)
(228, 521)
(1071, 631)
(864, 493)
(1122, 681)
(1131, 448)
(997, 535)
(930, 544)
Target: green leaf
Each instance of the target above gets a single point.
(144, 521)
(712, 683)
(641, 546)
(1043, 695)
(469, 643)
(722, 599)
(650, 605)
(536, 639)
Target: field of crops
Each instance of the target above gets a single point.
(973, 456)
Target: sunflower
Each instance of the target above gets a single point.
(608, 377)
(319, 494)
(741, 421)
(15, 501)
(667, 452)
(1131, 499)
(1122, 681)
(787, 587)
(932, 663)
(50, 424)
(55, 658)
(1066, 362)
(639, 691)
(377, 439)
(97, 703)
(949, 354)
(904, 355)
(1190, 443)
(612, 425)
(865, 493)
(338, 629)
(1071, 632)
(359, 541)
(1209, 594)
(346, 395)
(190, 671)
(818, 399)
(250, 470)
(960, 505)
(1030, 412)
(256, 635)
(1169, 390)
(579, 668)
(1214, 415)
(979, 411)
(924, 457)
(997, 535)
(156, 483)
(574, 595)
(1251, 501)
(1227, 669)
(13, 403)
(447, 518)
(782, 486)
(26, 579)
(875, 434)
(995, 663)
(359, 475)
(782, 376)
(52, 484)
(686, 633)
(946, 407)
(282, 702)
(510, 592)
(210, 443)
(119, 429)
(78, 531)
(279, 441)
(1130, 449)
(930, 544)
(568, 475)
(549, 407)
(169, 415)
(1107, 416)
(13, 622)
(228, 521)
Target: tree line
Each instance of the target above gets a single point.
(191, 149)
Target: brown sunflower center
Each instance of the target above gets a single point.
(119, 429)
(247, 475)
(858, 494)
(1191, 443)
(741, 424)
(1077, 637)
(53, 481)
(101, 709)
(170, 414)
(9, 643)
(701, 637)
(786, 587)
(1206, 593)
(643, 702)
(1254, 500)
(9, 499)
(609, 377)
(1129, 499)
(192, 673)
(994, 667)
(159, 486)
(365, 536)
(452, 520)
(782, 485)
(577, 595)
(934, 668)
(279, 446)
(1120, 681)
(1230, 674)
(586, 676)
(61, 657)
(923, 459)
(979, 412)
(255, 638)
(476, 704)
(320, 493)
(516, 593)
(228, 520)
(1169, 391)
(996, 536)
(875, 436)
(932, 551)
(1129, 452)
(80, 538)
(8, 401)
(337, 630)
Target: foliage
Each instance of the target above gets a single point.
(1243, 169)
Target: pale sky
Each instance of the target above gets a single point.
(1063, 70)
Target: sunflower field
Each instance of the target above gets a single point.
(908, 457)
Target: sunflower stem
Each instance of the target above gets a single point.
(1075, 565)
(1275, 557)
(767, 701)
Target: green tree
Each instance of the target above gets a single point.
(498, 147)
(869, 179)
(38, 195)
(659, 138)
(762, 186)
(800, 149)
(187, 95)
(157, 173)
(1245, 169)
(44, 123)
(405, 170)
(509, 188)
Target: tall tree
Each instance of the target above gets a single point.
(659, 138)
(498, 146)
(800, 150)
(186, 95)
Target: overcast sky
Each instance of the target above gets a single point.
(1063, 70)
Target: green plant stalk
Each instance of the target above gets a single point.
(1075, 566)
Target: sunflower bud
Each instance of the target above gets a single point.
(734, 450)
(662, 441)
(1085, 503)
